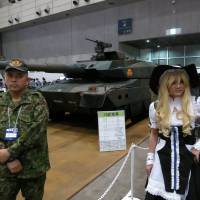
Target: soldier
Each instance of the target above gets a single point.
(38, 83)
(24, 157)
(44, 82)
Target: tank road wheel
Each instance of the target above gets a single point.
(56, 115)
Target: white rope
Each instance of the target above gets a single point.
(120, 170)
(139, 147)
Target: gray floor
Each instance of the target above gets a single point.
(94, 190)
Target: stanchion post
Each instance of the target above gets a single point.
(132, 168)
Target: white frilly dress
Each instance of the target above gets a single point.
(166, 179)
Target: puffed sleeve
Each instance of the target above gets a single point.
(152, 116)
(197, 145)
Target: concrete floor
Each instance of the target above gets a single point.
(68, 175)
(95, 189)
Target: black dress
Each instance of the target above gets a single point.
(178, 182)
(194, 186)
(173, 162)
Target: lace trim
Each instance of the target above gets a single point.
(175, 150)
(157, 189)
(172, 161)
(178, 161)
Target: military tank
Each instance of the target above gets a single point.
(108, 81)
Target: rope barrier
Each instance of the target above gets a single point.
(133, 146)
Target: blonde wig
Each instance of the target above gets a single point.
(163, 112)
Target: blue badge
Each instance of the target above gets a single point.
(11, 134)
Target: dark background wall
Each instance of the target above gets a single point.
(64, 40)
(65, 37)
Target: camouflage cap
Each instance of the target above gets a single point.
(16, 64)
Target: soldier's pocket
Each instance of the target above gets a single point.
(25, 120)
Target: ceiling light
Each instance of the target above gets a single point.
(173, 1)
(38, 12)
(173, 31)
(10, 20)
(17, 19)
(75, 2)
(47, 10)
(11, 1)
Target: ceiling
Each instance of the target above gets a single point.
(105, 4)
(175, 40)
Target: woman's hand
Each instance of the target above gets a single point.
(196, 153)
(148, 169)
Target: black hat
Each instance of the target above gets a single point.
(17, 64)
(160, 69)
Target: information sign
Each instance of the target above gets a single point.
(125, 26)
(112, 132)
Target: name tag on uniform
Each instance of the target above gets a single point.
(11, 134)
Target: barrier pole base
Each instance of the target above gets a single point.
(128, 197)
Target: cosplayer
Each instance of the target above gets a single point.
(172, 144)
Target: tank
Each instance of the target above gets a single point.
(108, 81)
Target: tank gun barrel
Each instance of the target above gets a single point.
(74, 70)
(51, 68)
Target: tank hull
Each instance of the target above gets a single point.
(89, 97)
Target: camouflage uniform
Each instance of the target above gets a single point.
(30, 147)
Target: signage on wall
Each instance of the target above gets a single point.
(112, 132)
(125, 26)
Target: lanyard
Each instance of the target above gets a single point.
(18, 113)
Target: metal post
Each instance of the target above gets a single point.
(132, 169)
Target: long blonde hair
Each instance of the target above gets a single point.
(163, 113)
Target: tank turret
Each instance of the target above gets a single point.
(101, 54)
